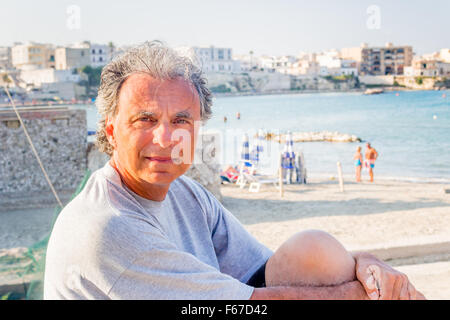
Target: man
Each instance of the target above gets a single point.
(141, 230)
(371, 155)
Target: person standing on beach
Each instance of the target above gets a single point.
(371, 155)
(358, 159)
(141, 229)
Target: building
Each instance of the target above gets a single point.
(283, 64)
(33, 55)
(444, 55)
(100, 55)
(334, 65)
(37, 77)
(428, 68)
(72, 58)
(388, 60)
(5, 58)
(212, 59)
(354, 53)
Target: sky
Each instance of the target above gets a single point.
(275, 27)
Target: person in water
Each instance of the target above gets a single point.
(358, 160)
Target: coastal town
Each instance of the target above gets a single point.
(43, 73)
(326, 120)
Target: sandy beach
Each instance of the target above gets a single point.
(367, 216)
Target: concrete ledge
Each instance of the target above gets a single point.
(18, 287)
(408, 251)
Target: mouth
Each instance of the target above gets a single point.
(160, 159)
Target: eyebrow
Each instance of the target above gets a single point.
(182, 114)
(144, 113)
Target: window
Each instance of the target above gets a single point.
(100, 59)
(100, 51)
(93, 51)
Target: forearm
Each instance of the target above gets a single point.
(348, 291)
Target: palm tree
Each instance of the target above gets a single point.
(6, 79)
(111, 49)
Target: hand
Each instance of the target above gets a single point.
(382, 282)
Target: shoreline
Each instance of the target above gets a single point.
(287, 92)
(238, 94)
(350, 178)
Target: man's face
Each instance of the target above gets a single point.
(141, 132)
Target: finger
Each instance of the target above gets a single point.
(371, 283)
(371, 288)
(420, 296)
(412, 291)
(404, 292)
(397, 287)
(387, 287)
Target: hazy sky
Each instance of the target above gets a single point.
(266, 27)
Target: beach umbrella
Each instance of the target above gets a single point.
(260, 141)
(288, 157)
(245, 155)
(257, 148)
(288, 153)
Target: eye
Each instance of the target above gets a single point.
(181, 121)
(147, 119)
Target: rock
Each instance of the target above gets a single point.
(314, 137)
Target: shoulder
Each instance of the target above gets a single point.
(193, 188)
(100, 221)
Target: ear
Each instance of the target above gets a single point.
(109, 129)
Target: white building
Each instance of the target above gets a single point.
(444, 55)
(428, 68)
(38, 77)
(212, 59)
(33, 55)
(5, 58)
(100, 55)
(335, 65)
(67, 58)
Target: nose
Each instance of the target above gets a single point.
(162, 135)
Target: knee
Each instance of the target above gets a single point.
(311, 257)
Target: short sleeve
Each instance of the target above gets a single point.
(163, 272)
(239, 253)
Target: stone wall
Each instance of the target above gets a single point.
(59, 136)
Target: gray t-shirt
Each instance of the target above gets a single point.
(109, 243)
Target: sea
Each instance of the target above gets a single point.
(409, 129)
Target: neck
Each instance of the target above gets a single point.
(146, 190)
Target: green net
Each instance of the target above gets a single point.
(29, 265)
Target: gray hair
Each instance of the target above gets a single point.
(160, 62)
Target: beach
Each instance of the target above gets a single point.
(407, 224)
(367, 216)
